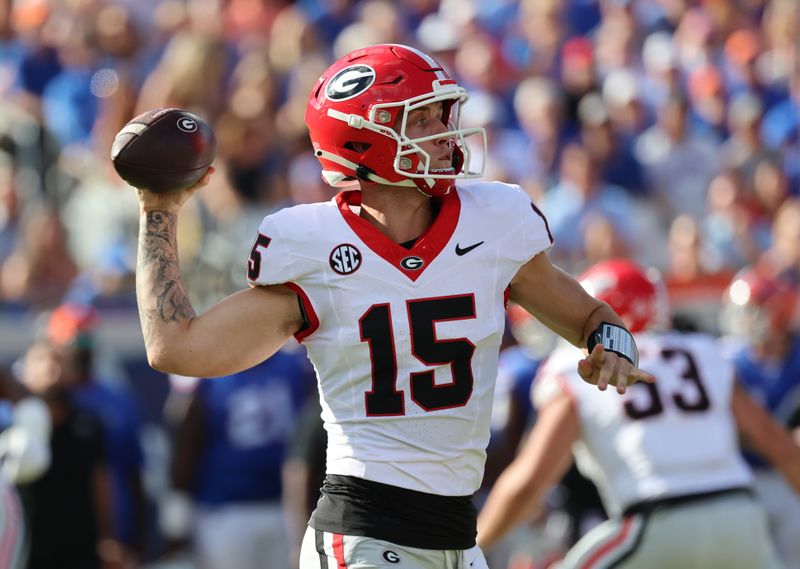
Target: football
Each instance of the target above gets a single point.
(164, 150)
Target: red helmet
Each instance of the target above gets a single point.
(758, 306)
(356, 117)
(638, 296)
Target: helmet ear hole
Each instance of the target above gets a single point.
(359, 147)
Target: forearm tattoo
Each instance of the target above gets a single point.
(159, 275)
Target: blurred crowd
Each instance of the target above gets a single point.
(667, 131)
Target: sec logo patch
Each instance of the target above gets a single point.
(345, 259)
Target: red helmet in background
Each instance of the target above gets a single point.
(759, 306)
(638, 296)
(356, 117)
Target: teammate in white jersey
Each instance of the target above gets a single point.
(397, 287)
(665, 456)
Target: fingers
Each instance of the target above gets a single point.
(588, 367)
(603, 368)
(585, 370)
(202, 182)
(175, 199)
(608, 373)
(640, 375)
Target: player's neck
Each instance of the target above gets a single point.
(402, 214)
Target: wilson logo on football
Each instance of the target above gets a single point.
(412, 263)
(345, 259)
(187, 125)
(349, 82)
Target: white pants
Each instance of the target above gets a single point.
(783, 514)
(242, 536)
(324, 550)
(726, 532)
(12, 529)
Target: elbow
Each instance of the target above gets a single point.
(190, 363)
(160, 358)
(157, 361)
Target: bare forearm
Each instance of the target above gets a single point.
(164, 305)
(544, 459)
(558, 301)
(509, 503)
(767, 437)
(603, 313)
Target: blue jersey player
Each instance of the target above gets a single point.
(761, 311)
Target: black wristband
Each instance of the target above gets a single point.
(614, 339)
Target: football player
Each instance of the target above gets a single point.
(397, 287)
(665, 456)
(761, 319)
(25, 428)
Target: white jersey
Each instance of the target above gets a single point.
(671, 438)
(404, 341)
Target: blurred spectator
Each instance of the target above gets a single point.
(77, 481)
(780, 26)
(693, 37)
(744, 149)
(783, 255)
(708, 99)
(227, 456)
(580, 198)
(678, 165)
(192, 57)
(781, 132)
(10, 207)
(741, 52)
(534, 44)
(540, 112)
(72, 328)
(617, 37)
(612, 153)
(730, 235)
(40, 270)
(761, 315)
(578, 78)
(781, 125)
(694, 286)
(25, 429)
(303, 473)
(624, 98)
(661, 71)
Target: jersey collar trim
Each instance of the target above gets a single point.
(428, 245)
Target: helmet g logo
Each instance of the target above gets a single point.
(187, 125)
(349, 82)
(391, 556)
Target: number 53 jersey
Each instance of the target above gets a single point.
(674, 437)
(404, 341)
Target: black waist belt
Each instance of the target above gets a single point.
(353, 506)
(647, 506)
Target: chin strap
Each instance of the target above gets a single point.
(335, 178)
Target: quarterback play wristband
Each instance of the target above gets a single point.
(614, 339)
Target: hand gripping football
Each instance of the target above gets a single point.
(164, 150)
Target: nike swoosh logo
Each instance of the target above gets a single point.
(465, 250)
